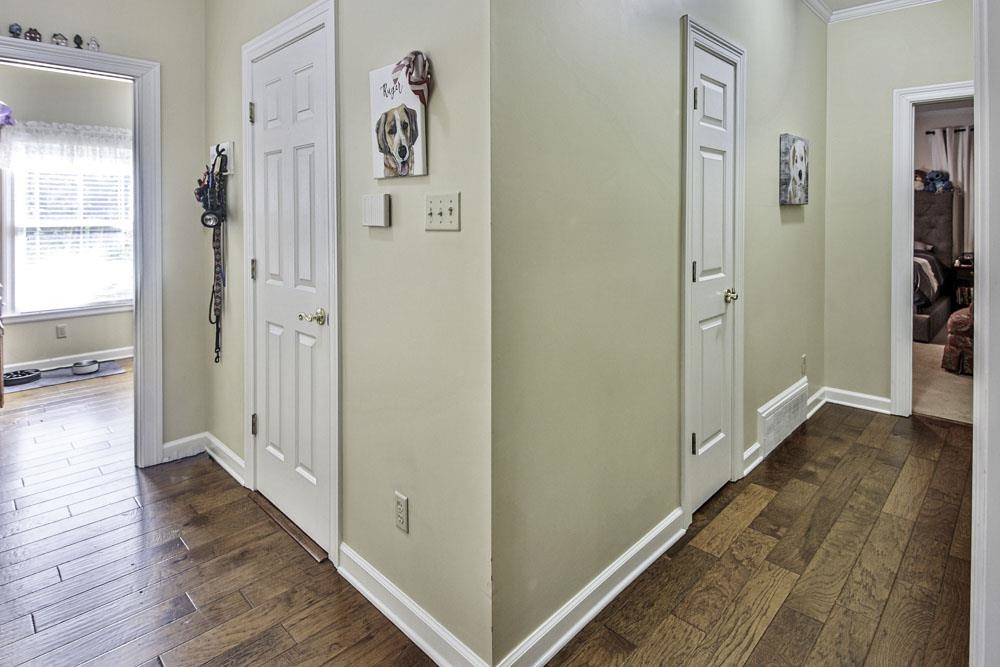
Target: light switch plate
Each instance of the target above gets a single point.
(376, 211)
(443, 213)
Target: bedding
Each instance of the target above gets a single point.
(928, 279)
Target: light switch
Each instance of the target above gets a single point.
(443, 213)
(376, 211)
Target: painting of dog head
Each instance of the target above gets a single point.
(399, 142)
(396, 132)
(793, 170)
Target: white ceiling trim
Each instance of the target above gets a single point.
(822, 10)
(819, 8)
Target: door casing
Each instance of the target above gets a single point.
(148, 236)
(318, 16)
(697, 34)
(904, 102)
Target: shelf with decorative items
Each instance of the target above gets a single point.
(59, 39)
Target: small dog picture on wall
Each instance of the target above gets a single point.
(793, 170)
(399, 145)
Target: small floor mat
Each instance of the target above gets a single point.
(65, 375)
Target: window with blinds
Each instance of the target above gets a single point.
(72, 238)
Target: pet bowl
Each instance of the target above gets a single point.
(14, 378)
(86, 367)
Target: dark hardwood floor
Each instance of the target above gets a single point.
(103, 564)
(849, 545)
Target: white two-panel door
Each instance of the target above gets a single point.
(711, 295)
(293, 242)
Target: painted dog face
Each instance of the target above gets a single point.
(396, 132)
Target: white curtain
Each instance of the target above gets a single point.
(952, 151)
(32, 145)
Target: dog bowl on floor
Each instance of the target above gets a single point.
(14, 378)
(86, 367)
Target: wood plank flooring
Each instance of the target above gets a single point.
(848, 546)
(103, 564)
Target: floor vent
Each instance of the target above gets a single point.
(780, 416)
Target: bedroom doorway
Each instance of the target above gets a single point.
(932, 297)
(943, 259)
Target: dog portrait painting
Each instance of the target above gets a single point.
(793, 170)
(397, 126)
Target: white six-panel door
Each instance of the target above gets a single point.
(293, 248)
(711, 171)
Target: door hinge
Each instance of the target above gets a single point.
(696, 98)
(694, 271)
(253, 114)
(253, 424)
(694, 444)
(253, 269)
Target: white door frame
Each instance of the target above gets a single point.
(315, 17)
(904, 102)
(984, 641)
(148, 332)
(696, 33)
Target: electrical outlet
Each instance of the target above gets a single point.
(804, 364)
(443, 213)
(402, 512)
(60, 331)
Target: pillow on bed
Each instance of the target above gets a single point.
(923, 247)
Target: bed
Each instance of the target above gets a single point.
(933, 254)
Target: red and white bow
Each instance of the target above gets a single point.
(418, 74)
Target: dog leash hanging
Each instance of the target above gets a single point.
(211, 194)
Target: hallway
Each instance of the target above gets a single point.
(849, 545)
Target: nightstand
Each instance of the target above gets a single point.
(965, 281)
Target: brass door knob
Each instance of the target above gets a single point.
(731, 295)
(319, 317)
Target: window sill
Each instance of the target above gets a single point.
(68, 313)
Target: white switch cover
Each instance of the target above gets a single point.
(375, 211)
(227, 147)
(443, 213)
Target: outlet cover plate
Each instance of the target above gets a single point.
(443, 213)
(402, 512)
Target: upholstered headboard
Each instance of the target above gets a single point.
(933, 222)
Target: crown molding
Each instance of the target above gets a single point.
(822, 10)
(819, 8)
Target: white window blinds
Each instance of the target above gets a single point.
(71, 228)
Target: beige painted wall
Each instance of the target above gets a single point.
(415, 306)
(57, 97)
(587, 286)
(868, 59)
(171, 34)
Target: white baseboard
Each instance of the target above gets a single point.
(779, 417)
(62, 362)
(752, 458)
(227, 459)
(851, 399)
(816, 401)
(552, 635)
(434, 639)
(185, 447)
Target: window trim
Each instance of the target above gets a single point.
(66, 313)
